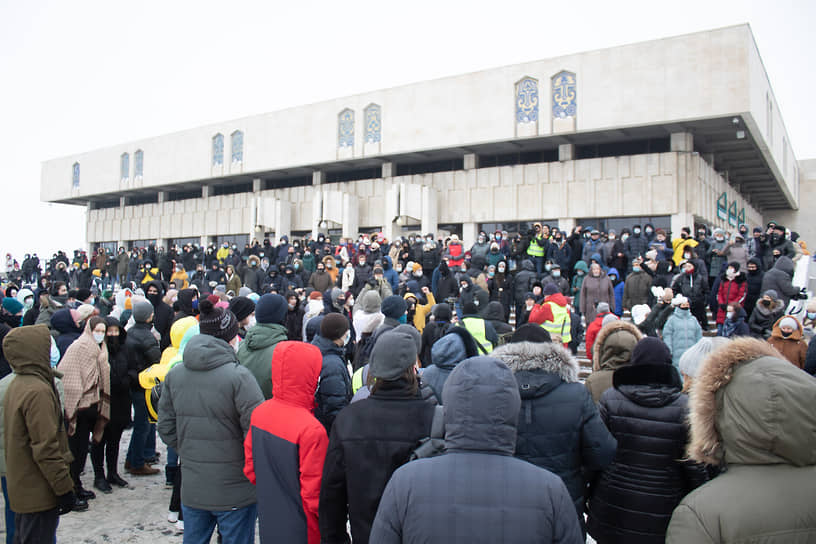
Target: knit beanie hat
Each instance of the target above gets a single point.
(693, 357)
(12, 305)
(83, 294)
(217, 322)
(142, 310)
(241, 307)
(789, 321)
(244, 291)
(334, 326)
(640, 312)
(531, 333)
(394, 307)
(411, 331)
(550, 289)
(608, 318)
(771, 293)
(394, 353)
(651, 351)
(315, 295)
(370, 302)
(271, 308)
(603, 307)
(442, 311)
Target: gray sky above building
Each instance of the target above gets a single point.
(84, 75)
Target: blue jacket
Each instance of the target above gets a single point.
(334, 389)
(680, 332)
(389, 273)
(440, 500)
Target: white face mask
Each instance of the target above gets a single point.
(347, 338)
(251, 322)
(235, 343)
(98, 337)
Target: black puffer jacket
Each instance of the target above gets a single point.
(142, 350)
(369, 441)
(634, 497)
(779, 279)
(334, 388)
(119, 378)
(559, 426)
(524, 281)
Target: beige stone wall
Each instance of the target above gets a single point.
(674, 183)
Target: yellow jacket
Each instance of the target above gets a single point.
(679, 245)
(181, 279)
(222, 254)
(422, 310)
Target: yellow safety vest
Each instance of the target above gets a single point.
(357, 380)
(535, 249)
(561, 323)
(476, 327)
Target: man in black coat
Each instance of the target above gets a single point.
(143, 351)
(477, 491)
(162, 313)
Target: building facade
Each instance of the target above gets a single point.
(676, 131)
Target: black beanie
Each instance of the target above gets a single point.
(271, 308)
(442, 312)
(651, 351)
(334, 326)
(217, 322)
(530, 332)
(241, 307)
(550, 289)
(394, 307)
(83, 294)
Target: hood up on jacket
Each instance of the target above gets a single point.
(63, 322)
(482, 403)
(751, 406)
(179, 329)
(449, 351)
(547, 357)
(527, 265)
(204, 352)
(263, 335)
(28, 351)
(295, 373)
(785, 264)
(495, 311)
(185, 301)
(795, 335)
(582, 266)
(614, 344)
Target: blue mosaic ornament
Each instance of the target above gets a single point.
(564, 94)
(237, 146)
(373, 120)
(527, 101)
(345, 128)
(218, 150)
(138, 163)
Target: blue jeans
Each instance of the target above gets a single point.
(172, 457)
(236, 526)
(150, 441)
(9, 514)
(141, 427)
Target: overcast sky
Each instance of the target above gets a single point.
(80, 75)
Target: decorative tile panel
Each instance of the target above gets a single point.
(527, 100)
(237, 141)
(124, 166)
(564, 94)
(218, 150)
(75, 174)
(138, 163)
(373, 123)
(345, 128)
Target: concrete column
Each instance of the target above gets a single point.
(88, 244)
(351, 216)
(566, 224)
(123, 201)
(162, 197)
(471, 161)
(470, 231)
(682, 141)
(283, 218)
(257, 185)
(206, 191)
(566, 152)
(318, 177)
(161, 242)
(429, 211)
(204, 240)
(389, 169)
(680, 220)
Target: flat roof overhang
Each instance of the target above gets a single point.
(740, 160)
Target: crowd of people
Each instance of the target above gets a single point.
(418, 390)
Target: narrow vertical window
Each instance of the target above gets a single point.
(218, 150)
(124, 166)
(75, 174)
(138, 164)
(345, 128)
(373, 122)
(237, 142)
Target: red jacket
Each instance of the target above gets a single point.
(592, 332)
(730, 292)
(456, 254)
(285, 448)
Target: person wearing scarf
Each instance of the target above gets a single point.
(86, 379)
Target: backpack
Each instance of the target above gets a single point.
(432, 445)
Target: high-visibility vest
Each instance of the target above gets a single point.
(476, 327)
(535, 249)
(561, 323)
(357, 380)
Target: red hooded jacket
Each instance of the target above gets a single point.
(285, 448)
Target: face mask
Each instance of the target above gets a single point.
(811, 315)
(558, 240)
(786, 334)
(481, 239)
(529, 306)
(637, 231)
(498, 237)
(55, 354)
(501, 269)
(548, 267)
(729, 315)
(766, 303)
(418, 273)
(635, 269)
(556, 274)
(347, 338)
(624, 237)
(491, 274)
(29, 303)
(297, 266)
(648, 231)
(403, 319)
(98, 337)
(687, 255)
(580, 272)
(611, 236)
(719, 238)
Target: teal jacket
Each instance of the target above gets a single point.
(255, 352)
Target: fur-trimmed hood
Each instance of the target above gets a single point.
(750, 406)
(621, 337)
(552, 358)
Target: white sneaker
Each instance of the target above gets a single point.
(172, 517)
(180, 525)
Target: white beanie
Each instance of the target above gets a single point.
(679, 300)
(639, 313)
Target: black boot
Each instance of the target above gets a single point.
(170, 476)
(102, 484)
(116, 480)
(84, 494)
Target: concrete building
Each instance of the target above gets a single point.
(673, 131)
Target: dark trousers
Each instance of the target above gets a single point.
(107, 450)
(698, 310)
(78, 443)
(175, 497)
(36, 528)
